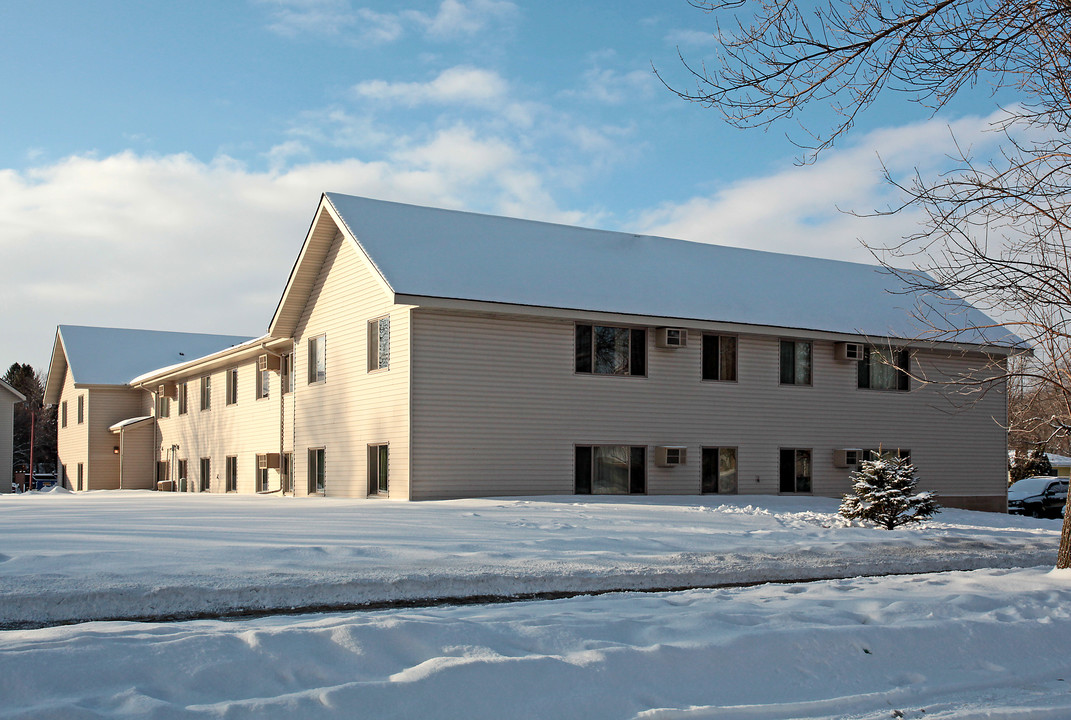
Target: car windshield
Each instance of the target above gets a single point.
(1031, 485)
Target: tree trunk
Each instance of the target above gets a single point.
(1063, 558)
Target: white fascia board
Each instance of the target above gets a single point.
(492, 308)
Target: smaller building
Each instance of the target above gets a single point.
(9, 396)
(100, 444)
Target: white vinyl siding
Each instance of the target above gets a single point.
(482, 382)
(355, 408)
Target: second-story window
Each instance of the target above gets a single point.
(287, 373)
(379, 344)
(719, 357)
(885, 369)
(608, 350)
(232, 386)
(317, 359)
(795, 362)
(183, 398)
(206, 392)
(63, 414)
(81, 409)
(263, 383)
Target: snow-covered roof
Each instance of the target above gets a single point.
(1058, 460)
(435, 253)
(113, 356)
(19, 397)
(128, 422)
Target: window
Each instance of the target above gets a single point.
(377, 469)
(287, 372)
(81, 476)
(183, 398)
(262, 478)
(206, 474)
(719, 357)
(81, 409)
(206, 392)
(232, 473)
(379, 344)
(611, 469)
(317, 483)
(182, 470)
(795, 362)
(286, 464)
(317, 359)
(163, 406)
(605, 350)
(263, 383)
(63, 414)
(232, 386)
(162, 471)
(719, 470)
(795, 471)
(885, 369)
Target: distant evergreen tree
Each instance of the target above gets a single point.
(884, 492)
(1036, 463)
(29, 382)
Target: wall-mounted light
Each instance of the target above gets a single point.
(115, 449)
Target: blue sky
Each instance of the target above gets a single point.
(160, 162)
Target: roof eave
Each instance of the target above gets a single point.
(494, 307)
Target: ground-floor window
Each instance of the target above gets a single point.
(719, 470)
(611, 469)
(377, 469)
(317, 477)
(206, 474)
(162, 471)
(286, 462)
(232, 473)
(262, 479)
(795, 470)
(81, 476)
(182, 473)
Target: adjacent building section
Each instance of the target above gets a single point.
(9, 397)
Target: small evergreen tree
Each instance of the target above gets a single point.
(1036, 463)
(883, 492)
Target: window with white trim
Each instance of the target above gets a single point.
(378, 468)
(317, 472)
(796, 362)
(183, 398)
(795, 470)
(232, 386)
(610, 469)
(885, 369)
(317, 359)
(206, 392)
(232, 474)
(719, 357)
(719, 471)
(610, 350)
(379, 344)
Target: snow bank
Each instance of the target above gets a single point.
(141, 554)
(989, 643)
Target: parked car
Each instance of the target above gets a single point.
(1038, 496)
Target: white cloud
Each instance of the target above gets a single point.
(460, 19)
(453, 19)
(805, 210)
(456, 85)
(171, 242)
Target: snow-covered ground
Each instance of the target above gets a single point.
(129, 554)
(980, 644)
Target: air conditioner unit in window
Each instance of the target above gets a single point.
(169, 390)
(671, 337)
(847, 457)
(269, 362)
(268, 461)
(670, 455)
(848, 352)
